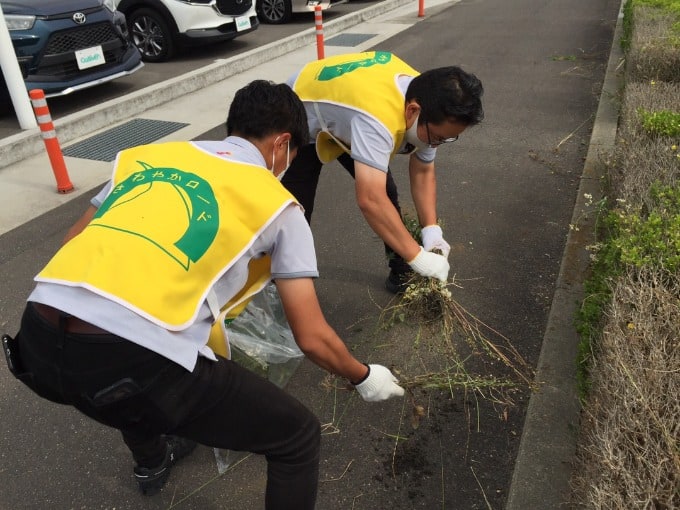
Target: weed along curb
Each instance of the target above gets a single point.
(627, 447)
(544, 461)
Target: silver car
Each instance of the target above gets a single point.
(275, 12)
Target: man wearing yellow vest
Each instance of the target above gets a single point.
(365, 108)
(119, 322)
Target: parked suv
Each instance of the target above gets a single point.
(67, 45)
(159, 27)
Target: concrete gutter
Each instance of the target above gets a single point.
(544, 463)
(22, 145)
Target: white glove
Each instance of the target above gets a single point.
(380, 384)
(427, 263)
(433, 238)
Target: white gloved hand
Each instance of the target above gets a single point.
(380, 384)
(433, 238)
(430, 264)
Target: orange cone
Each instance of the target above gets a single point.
(49, 136)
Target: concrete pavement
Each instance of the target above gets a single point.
(28, 189)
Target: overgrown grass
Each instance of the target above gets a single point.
(606, 266)
(628, 453)
(652, 39)
(646, 161)
(668, 8)
(648, 235)
(634, 236)
(627, 25)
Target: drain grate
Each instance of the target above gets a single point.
(349, 39)
(104, 146)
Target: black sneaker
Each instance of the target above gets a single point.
(397, 282)
(151, 480)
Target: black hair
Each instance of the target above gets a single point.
(447, 94)
(262, 108)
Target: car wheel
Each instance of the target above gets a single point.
(151, 34)
(274, 12)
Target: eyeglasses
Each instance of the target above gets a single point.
(438, 141)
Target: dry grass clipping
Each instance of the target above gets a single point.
(454, 349)
(629, 451)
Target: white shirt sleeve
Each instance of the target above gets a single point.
(371, 142)
(99, 198)
(293, 254)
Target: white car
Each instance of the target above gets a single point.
(159, 27)
(276, 12)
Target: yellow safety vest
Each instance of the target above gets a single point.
(176, 220)
(366, 82)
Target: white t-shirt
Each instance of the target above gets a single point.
(288, 239)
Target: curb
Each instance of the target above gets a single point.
(28, 143)
(543, 468)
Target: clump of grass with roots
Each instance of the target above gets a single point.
(453, 349)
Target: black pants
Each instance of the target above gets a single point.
(219, 404)
(302, 179)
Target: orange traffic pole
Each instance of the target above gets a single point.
(319, 32)
(421, 8)
(49, 136)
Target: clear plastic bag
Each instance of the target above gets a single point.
(261, 340)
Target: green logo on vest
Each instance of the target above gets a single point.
(330, 72)
(156, 193)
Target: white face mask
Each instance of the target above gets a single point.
(280, 176)
(411, 136)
